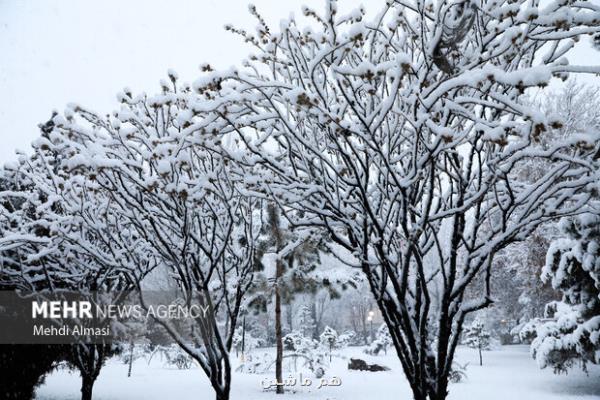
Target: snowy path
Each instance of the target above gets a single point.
(507, 374)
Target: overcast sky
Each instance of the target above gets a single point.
(53, 52)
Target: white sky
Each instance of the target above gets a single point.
(53, 52)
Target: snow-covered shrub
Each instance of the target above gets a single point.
(348, 338)
(382, 341)
(293, 341)
(135, 350)
(245, 340)
(310, 353)
(172, 355)
(329, 337)
(256, 363)
(458, 372)
(573, 268)
(299, 344)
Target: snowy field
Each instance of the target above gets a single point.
(508, 373)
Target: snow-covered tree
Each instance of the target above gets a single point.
(287, 262)
(22, 367)
(305, 320)
(402, 138)
(477, 337)
(573, 267)
(245, 341)
(89, 359)
(146, 174)
(519, 294)
(329, 338)
(518, 290)
(43, 246)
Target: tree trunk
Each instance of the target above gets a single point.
(480, 359)
(88, 360)
(87, 385)
(221, 381)
(223, 394)
(243, 340)
(290, 316)
(417, 395)
(442, 389)
(315, 317)
(131, 346)
(363, 317)
(278, 335)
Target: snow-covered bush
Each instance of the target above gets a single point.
(246, 340)
(256, 363)
(382, 341)
(349, 338)
(135, 350)
(329, 337)
(294, 341)
(172, 355)
(310, 353)
(299, 344)
(573, 268)
(458, 372)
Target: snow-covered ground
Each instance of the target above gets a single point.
(507, 373)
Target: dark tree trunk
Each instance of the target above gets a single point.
(278, 335)
(365, 332)
(442, 389)
(131, 347)
(290, 316)
(418, 395)
(221, 379)
(243, 339)
(88, 358)
(87, 385)
(222, 394)
(480, 359)
(277, 235)
(22, 368)
(316, 319)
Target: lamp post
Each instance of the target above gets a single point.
(370, 319)
(505, 337)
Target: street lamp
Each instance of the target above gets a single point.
(370, 319)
